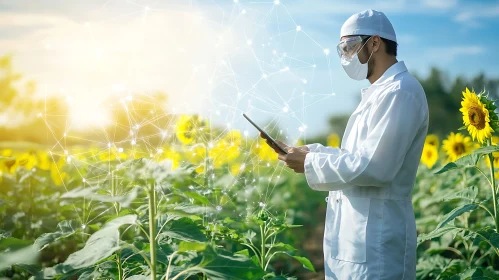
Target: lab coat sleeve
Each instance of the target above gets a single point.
(390, 132)
(319, 148)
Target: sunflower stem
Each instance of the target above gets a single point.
(493, 186)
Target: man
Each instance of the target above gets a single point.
(370, 230)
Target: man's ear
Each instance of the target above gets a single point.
(376, 43)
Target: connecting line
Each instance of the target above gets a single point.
(271, 86)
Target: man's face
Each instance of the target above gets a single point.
(363, 49)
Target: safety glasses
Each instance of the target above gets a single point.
(348, 47)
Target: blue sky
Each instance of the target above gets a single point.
(222, 58)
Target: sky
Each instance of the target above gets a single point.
(274, 60)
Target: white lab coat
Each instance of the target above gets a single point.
(370, 230)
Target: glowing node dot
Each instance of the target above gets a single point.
(261, 204)
(147, 8)
(301, 128)
(249, 42)
(219, 208)
(326, 51)
(285, 109)
(315, 66)
(160, 151)
(84, 180)
(210, 144)
(229, 124)
(298, 28)
(268, 164)
(131, 132)
(66, 152)
(243, 12)
(109, 145)
(133, 142)
(265, 76)
(274, 52)
(39, 115)
(304, 81)
(68, 159)
(129, 98)
(302, 93)
(277, 2)
(83, 226)
(333, 94)
(120, 150)
(164, 134)
(245, 133)
(137, 126)
(235, 1)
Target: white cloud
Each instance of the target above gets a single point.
(473, 17)
(440, 4)
(448, 54)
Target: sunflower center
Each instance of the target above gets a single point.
(458, 148)
(477, 117)
(429, 154)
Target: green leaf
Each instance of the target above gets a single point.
(91, 193)
(183, 229)
(198, 197)
(191, 246)
(469, 194)
(489, 234)
(284, 246)
(456, 212)
(486, 150)
(102, 244)
(223, 265)
(463, 162)
(12, 243)
(64, 229)
(305, 262)
(244, 252)
(27, 255)
(470, 273)
(436, 233)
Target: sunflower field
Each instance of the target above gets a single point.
(210, 204)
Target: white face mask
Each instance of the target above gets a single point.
(353, 67)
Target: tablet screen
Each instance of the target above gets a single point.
(266, 135)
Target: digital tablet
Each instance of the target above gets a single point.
(266, 135)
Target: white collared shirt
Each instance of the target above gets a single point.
(370, 227)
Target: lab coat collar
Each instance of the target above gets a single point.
(389, 74)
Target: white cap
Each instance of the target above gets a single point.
(369, 22)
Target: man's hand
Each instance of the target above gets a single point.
(294, 159)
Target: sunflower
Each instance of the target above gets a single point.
(264, 151)
(430, 155)
(236, 168)
(333, 140)
(476, 116)
(171, 154)
(432, 139)
(457, 145)
(188, 128)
